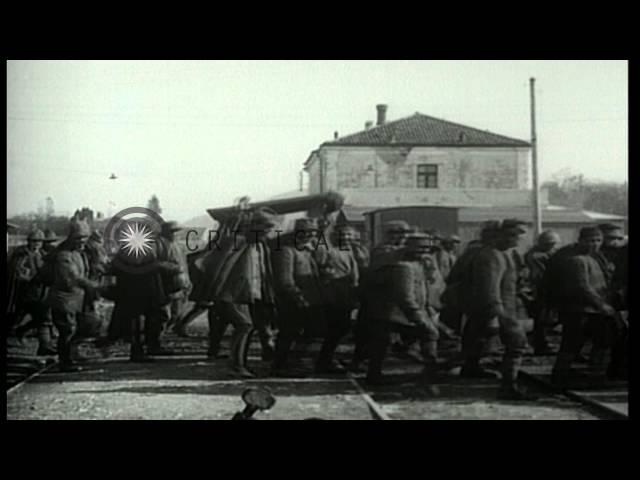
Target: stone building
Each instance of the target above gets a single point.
(422, 160)
(425, 161)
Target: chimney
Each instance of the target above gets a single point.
(368, 124)
(382, 114)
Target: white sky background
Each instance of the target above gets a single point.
(200, 134)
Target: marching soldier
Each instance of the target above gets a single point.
(244, 296)
(300, 297)
(70, 283)
(339, 276)
(616, 254)
(98, 266)
(396, 233)
(359, 251)
(493, 295)
(390, 251)
(583, 302)
(50, 238)
(48, 252)
(613, 237)
(618, 368)
(446, 256)
(537, 259)
(360, 330)
(141, 297)
(27, 292)
(398, 302)
(236, 285)
(178, 285)
(458, 280)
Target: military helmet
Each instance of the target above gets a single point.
(36, 235)
(609, 227)
(50, 236)
(513, 226)
(418, 241)
(589, 232)
(549, 237)
(434, 233)
(451, 239)
(489, 230)
(79, 228)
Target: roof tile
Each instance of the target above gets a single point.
(419, 129)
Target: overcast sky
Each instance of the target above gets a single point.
(200, 134)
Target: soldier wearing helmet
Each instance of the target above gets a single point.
(398, 303)
(493, 296)
(50, 238)
(396, 233)
(70, 284)
(537, 260)
(26, 292)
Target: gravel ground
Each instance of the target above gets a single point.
(190, 387)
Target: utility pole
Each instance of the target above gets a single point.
(537, 220)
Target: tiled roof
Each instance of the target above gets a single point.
(419, 129)
(473, 215)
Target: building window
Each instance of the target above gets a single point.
(427, 176)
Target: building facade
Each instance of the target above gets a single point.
(421, 160)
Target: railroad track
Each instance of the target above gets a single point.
(22, 369)
(597, 399)
(382, 404)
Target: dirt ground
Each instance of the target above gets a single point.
(189, 386)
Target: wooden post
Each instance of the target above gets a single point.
(537, 220)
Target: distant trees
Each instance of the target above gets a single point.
(45, 218)
(49, 209)
(573, 190)
(85, 213)
(26, 222)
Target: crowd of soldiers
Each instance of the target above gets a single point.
(320, 281)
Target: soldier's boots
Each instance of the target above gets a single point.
(241, 372)
(561, 370)
(472, 369)
(214, 354)
(429, 379)
(138, 355)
